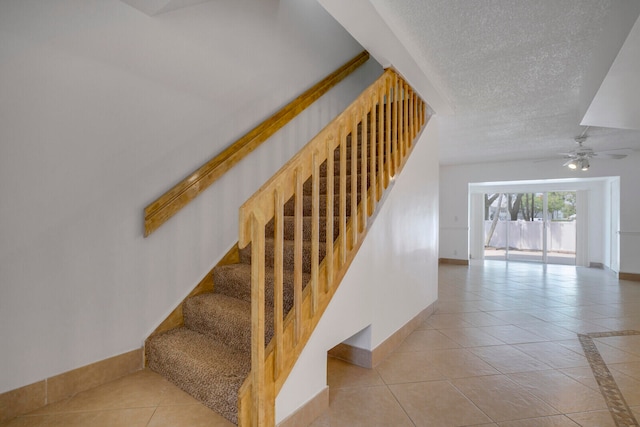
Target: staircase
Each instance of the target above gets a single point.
(210, 357)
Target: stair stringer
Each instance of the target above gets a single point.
(365, 288)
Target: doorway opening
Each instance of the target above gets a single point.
(597, 218)
(533, 227)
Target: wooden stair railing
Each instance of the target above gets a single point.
(167, 205)
(386, 118)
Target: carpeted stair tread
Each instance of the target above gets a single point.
(224, 319)
(235, 280)
(288, 254)
(209, 371)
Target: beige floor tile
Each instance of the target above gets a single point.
(447, 321)
(502, 399)
(560, 391)
(548, 331)
(581, 326)
(612, 310)
(511, 334)
(588, 312)
(515, 317)
(343, 374)
(407, 368)
(456, 306)
(487, 305)
(582, 374)
(612, 354)
(629, 387)
(424, 326)
(593, 419)
(426, 340)
(471, 337)
(554, 354)
(619, 324)
(629, 344)
(549, 315)
(187, 415)
(482, 319)
(437, 403)
(172, 395)
(132, 417)
(141, 389)
(363, 407)
(459, 363)
(631, 369)
(508, 359)
(554, 421)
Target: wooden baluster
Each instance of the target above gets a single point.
(394, 122)
(354, 177)
(278, 272)
(401, 115)
(388, 124)
(412, 117)
(405, 131)
(297, 264)
(380, 142)
(330, 211)
(363, 165)
(373, 182)
(343, 194)
(315, 230)
(416, 122)
(257, 319)
(397, 127)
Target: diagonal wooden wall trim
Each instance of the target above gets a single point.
(167, 205)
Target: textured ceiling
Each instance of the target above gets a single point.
(514, 71)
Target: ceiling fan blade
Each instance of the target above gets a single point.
(610, 156)
(568, 162)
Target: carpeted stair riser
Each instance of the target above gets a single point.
(288, 254)
(224, 319)
(210, 356)
(289, 228)
(289, 207)
(234, 280)
(209, 371)
(336, 168)
(307, 187)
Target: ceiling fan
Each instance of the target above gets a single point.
(579, 157)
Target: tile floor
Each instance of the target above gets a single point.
(501, 350)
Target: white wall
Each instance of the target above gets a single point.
(392, 279)
(102, 109)
(454, 189)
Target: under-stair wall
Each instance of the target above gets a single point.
(104, 108)
(391, 280)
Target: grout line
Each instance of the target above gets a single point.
(401, 406)
(618, 408)
(151, 417)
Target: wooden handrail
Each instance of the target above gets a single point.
(400, 115)
(167, 205)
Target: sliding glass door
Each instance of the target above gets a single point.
(535, 227)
